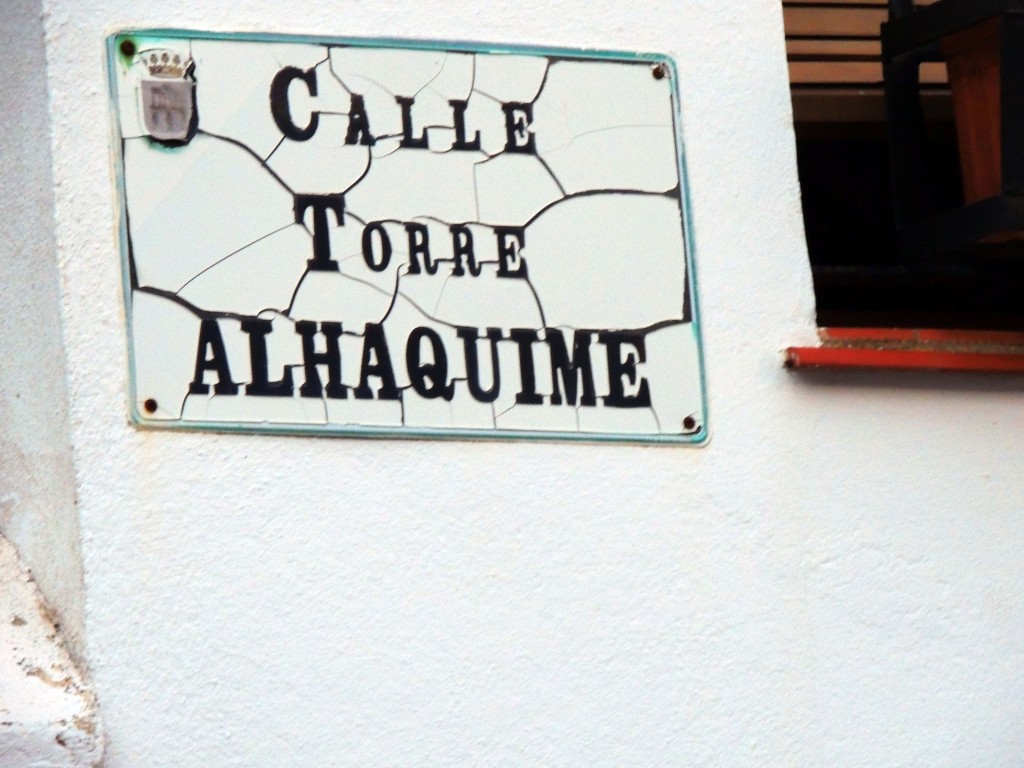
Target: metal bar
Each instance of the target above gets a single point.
(898, 8)
(930, 23)
(895, 359)
(966, 225)
(1012, 104)
(905, 120)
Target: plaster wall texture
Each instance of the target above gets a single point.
(37, 479)
(833, 580)
(48, 716)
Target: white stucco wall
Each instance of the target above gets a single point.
(37, 478)
(48, 716)
(833, 580)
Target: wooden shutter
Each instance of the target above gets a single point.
(835, 60)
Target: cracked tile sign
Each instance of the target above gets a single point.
(337, 237)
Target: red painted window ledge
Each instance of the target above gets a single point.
(920, 349)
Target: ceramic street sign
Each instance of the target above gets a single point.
(347, 237)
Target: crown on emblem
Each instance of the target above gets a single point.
(165, 63)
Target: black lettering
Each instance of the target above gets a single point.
(619, 368)
(562, 366)
(385, 246)
(430, 380)
(279, 103)
(209, 337)
(462, 245)
(358, 123)
(518, 116)
(376, 345)
(258, 329)
(528, 395)
(407, 139)
(419, 245)
(469, 338)
(331, 357)
(510, 242)
(321, 204)
(459, 118)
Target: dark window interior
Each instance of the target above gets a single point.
(862, 276)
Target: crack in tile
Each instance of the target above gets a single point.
(233, 253)
(397, 293)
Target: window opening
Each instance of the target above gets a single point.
(864, 272)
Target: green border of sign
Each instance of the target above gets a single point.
(699, 437)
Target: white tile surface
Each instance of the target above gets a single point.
(214, 223)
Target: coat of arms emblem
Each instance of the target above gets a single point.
(168, 96)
